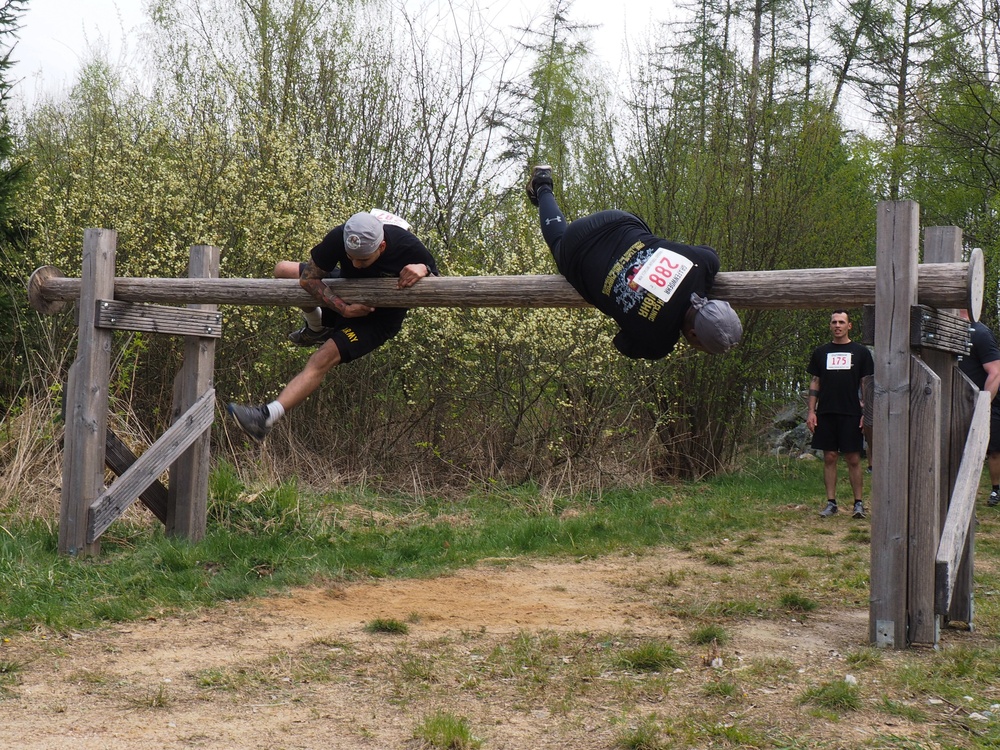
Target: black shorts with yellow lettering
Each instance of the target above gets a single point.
(838, 432)
(356, 337)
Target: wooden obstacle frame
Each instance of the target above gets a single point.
(930, 423)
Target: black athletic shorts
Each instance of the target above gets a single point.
(994, 446)
(838, 432)
(356, 337)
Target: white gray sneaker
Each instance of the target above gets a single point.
(859, 509)
(251, 419)
(829, 510)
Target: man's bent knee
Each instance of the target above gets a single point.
(325, 358)
(286, 269)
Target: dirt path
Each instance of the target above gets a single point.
(524, 650)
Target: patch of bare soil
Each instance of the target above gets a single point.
(527, 651)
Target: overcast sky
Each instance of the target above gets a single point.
(55, 34)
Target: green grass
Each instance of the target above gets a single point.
(705, 634)
(795, 602)
(837, 696)
(650, 656)
(646, 735)
(262, 541)
(446, 731)
(387, 625)
(9, 675)
(723, 688)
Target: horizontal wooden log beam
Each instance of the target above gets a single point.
(947, 285)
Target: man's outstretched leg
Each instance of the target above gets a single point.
(553, 223)
(257, 421)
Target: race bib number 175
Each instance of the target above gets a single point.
(838, 361)
(663, 273)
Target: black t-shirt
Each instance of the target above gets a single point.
(984, 350)
(602, 266)
(840, 368)
(402, 249)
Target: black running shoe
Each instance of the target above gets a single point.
(306, 336)
(251, 419)
(540, 175)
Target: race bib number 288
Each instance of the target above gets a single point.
(663, 273)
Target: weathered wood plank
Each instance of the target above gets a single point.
(940, 285)
(176, 321)
(86, 401)
(188, 505)
(896, 255)
(963, 503)
(941, 245)
(925, 482)
(119, 458)
(111, 503)
(944, 245)
(965, 394)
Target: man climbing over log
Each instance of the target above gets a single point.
(362, 248)
(654, 289)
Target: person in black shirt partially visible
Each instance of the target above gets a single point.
(654, 289)
(982, 365)
(835, 410)
(362, 248)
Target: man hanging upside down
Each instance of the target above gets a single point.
(654, 289)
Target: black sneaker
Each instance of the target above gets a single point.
(994, 499)
(306, 336)
(540, 175)
(859, 509)
(251, 419)
(829, 510)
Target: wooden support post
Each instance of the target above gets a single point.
(187, 493)
(941, 245)
(944, 245)
(87, 398)
(896, 258)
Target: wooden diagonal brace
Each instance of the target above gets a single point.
(111, 503)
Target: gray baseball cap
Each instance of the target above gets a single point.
(362, 235)
(716, 324)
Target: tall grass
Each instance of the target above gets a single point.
(259, 540)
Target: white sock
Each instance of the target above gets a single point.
(275, 412)
(314, 318)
